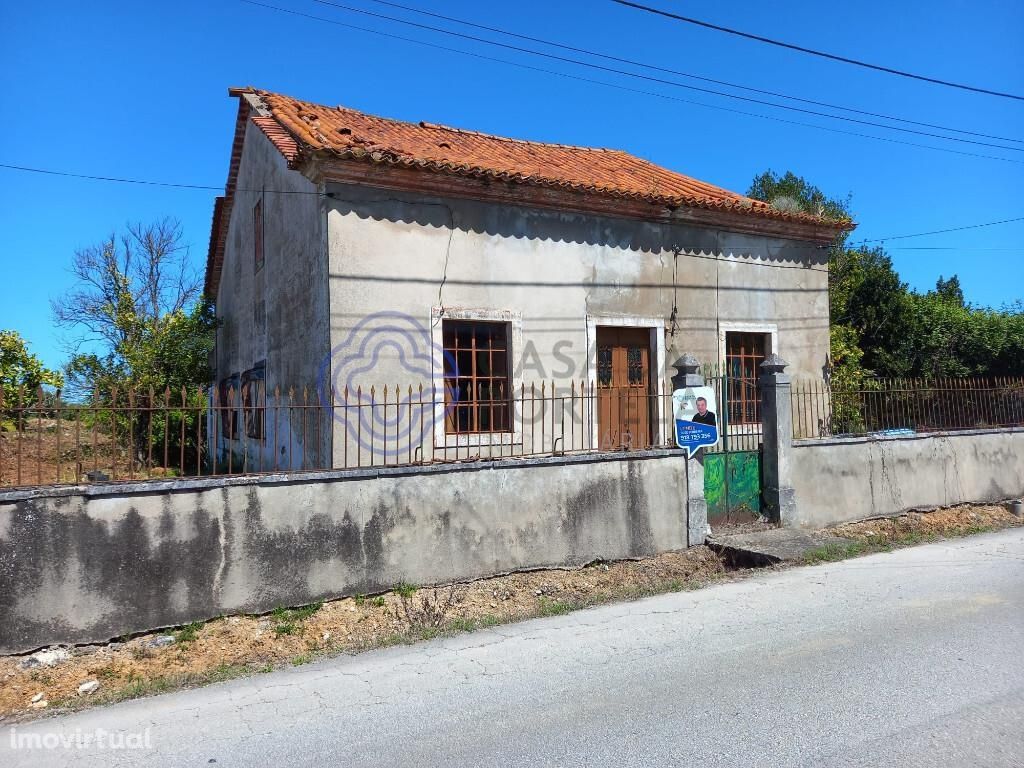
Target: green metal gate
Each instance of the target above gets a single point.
(732, 469)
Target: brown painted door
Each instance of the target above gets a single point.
(623, 388)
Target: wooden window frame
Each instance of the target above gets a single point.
(743, 397)
(465, 376)
(514, 318)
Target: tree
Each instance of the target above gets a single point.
(867, 295)
(21, 371)
(880, 326)
(950, 290)
(138, 299)
(795, 194)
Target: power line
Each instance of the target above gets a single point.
(690, 75)
(688, 251)
(146, 182)
(941, 231)
(813, 52)
(659, 80)
(624, 88)
(968, 248)
(108, 178)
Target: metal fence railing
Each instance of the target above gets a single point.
(135, 435)
(913, 405)
(740, 419)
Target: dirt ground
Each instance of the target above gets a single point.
(236, 645)
(47, 451)
(952, 521)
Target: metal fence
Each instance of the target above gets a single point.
(739, 418)
(133, 435)
(912, 405)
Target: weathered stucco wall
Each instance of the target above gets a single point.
(87, 564)
(404, 252)
(556, 276)
(851, 478)
(280, 312)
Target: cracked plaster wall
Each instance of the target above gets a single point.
(84, 565)
(837, 480)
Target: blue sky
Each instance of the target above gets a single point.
(139, 90)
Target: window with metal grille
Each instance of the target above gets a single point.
(228, 400)
(257, 235)
(478, 387)
(744, 353)
(254, 400)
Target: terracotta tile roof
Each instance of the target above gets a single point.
(280, 138)
(300, 129)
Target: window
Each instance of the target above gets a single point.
(744, 353)
(257, 234)
(477, 386)
(228, 406)
(254, 400)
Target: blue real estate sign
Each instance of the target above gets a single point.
(696, 418)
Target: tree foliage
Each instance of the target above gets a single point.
(21, 371)
(790, 192)
(147, 333)
(880, 326)
(138, 300)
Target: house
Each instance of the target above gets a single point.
(353, 253)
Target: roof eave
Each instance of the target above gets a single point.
(735, 218)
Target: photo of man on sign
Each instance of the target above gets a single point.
(696, 424)
(703, 415)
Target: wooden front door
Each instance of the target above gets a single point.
(624, 401)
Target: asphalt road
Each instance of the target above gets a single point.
(912, 658)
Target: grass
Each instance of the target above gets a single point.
(299, 614)
(138, 687)
(188, 633)
(404, 589)
(461, 624)
(831, 553)
(549, 607)
(378, 601)
(287, 620)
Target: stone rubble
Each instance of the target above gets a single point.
(48, 657)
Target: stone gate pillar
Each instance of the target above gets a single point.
(776, 457)
(697, 530)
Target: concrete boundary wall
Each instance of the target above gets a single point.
(88, 563)
(841, 479)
